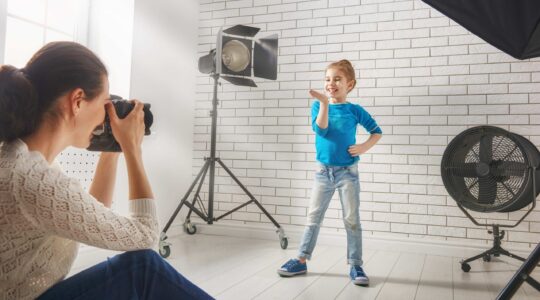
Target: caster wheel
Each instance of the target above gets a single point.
(487, 258)
(191, 229)
(284, 243)
(465, 267)
(165, 251)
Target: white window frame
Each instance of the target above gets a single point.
(3, 25)
(79, 34)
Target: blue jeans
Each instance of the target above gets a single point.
(327, 180)
(133, 275)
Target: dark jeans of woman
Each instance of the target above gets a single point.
(131, 275)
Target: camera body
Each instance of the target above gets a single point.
(103, 139)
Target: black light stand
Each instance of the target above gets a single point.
(210, 164)
(522, 274)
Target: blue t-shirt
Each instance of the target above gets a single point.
(332, 143)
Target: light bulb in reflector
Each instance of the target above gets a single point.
(235, 56)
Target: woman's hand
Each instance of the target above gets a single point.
(129, 131)
(356, 150)
(319, 96)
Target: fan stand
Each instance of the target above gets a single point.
(498, 234)
(496, 250)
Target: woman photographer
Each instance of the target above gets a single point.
(56, 101)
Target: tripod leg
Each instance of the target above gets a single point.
(522, 274)
(535, 284)
(164, 246)
(253, 199)
(504, 252)
(188, 226)
(203, 170)
(284, 241)
(197, 193)
(487, 252)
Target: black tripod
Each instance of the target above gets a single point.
(522, 274)
(208, 216)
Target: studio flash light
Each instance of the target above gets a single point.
(238, 56)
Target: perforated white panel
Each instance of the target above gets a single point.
(79, 163)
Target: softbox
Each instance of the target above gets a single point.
(513, 26)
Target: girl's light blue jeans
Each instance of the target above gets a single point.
(327, 180)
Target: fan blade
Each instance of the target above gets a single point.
(487, 190)
(486, 144)
(510, 168)
(463, 170)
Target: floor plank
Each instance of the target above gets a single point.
(436, 279)
(224, 280)
(264, 279)
(331, 283)
(378, 269)
(289, 288)
(470, 285)
(243, 268)
(403, 281)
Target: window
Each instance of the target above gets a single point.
(105, 27)
(29, 24)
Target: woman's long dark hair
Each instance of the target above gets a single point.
(28, 94)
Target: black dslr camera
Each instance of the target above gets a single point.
(103, 139)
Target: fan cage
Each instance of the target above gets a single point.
(487, 169)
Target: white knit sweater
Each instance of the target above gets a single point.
(44, 214)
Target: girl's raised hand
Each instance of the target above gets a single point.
(319, 96)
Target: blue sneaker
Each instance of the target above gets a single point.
(358, 276)
(292, 267)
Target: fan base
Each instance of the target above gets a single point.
(496, 250)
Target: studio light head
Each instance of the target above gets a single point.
(238, 57)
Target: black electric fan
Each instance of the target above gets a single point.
(488, 169)
(473, 170)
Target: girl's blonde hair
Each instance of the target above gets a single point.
(347, 68)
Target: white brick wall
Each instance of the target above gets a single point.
(423, 77)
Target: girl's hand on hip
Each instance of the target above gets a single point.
(319, 96)
(356, 150)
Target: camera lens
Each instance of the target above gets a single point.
(124, 107)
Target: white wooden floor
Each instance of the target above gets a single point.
(237, 268)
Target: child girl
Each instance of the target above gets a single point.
(334, 121)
